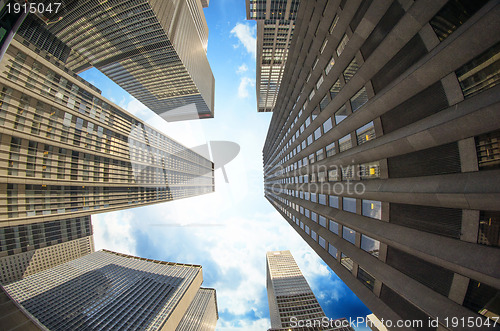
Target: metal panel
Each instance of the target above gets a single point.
(435, 277)
(438, 220)
(439, 160)
(406, 57)
(429, 101)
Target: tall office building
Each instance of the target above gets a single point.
(67, 152)
(155, 50)
(275, 24)
(29, 248)
(292, 304)
(383, 153)
(202, 314)
(108, 290)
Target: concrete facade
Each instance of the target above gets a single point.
(383, 154)
(68, 152)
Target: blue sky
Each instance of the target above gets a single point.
(228, 232)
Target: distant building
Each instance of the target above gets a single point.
(275, 24)
(108, 290)
(292, 304)
(33, 247)
(383, 152)
(155, 50)
(202, 314)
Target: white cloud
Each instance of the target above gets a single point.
(115, 231)
(242, 68)
(245, 82)
(246, 36)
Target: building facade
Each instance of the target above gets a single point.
(30, 248)
(383, 154)
(67, 152)
(275, 24)
(202, 314)
(108, 290)
(155, 50)
(292, 304)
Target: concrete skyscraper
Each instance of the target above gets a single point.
(383, 153)
(275, 24)
(292, 304)
(68, 152)
(108, 290)
(155, 50)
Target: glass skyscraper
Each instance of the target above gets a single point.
(155, 50)
(383, 154)
(108, 290)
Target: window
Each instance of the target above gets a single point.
(311, 95)
(369, 170)
(342, 44)
(330, 149)
(313, 199)
(334, 24)
(333, 201)
(319, 82)
(333, 175)
(322, 221)
(317, 133)
(334, 227)
(314, 235)
(349, 235)
(349, 204)
(370, 245)
(372, 209)
(345, 143)
(341, 114)
(351, 70)
(324, 102)
(366, 278)
(330, 65)
(335, 89)
(307, 229)
(359, 99)
(346, 262)
(322, 242)
(327, 125)
(310, 139)
(332, 251)
(365, 133)
(320, 155)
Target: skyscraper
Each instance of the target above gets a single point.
(68, 152)
(275, 24)
(29, 248)
(202, 314)
(383, 153)
(108, 290)
(292, 304)
(155, 50)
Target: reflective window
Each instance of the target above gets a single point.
(322, 242)
(322, 221)
(314, 235)
(317, 133)
(372, 209)
(342, 44)
(349, 234)
(334, 201)
(370, 245)
(345, 143)
(365, 133)
(335, 89)
(351, 70)
(366, 278)
(319, 82)
(327, 125)
(359, 99)
(330, 65)
(322, 199)
(324, 102)
(332, 250)
(349, 204)
(341, 114)
(334, 227)
(346, 262)
(369, 170)
(307, 229)
(333, 175)
(330, 149)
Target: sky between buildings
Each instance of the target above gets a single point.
(227, 232)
